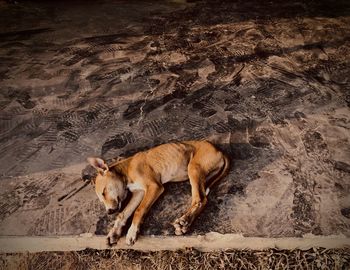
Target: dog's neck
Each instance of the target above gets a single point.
(121, 167)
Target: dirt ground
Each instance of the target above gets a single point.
(185, 259)
(268, 82)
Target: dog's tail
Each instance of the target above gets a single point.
(222, 173)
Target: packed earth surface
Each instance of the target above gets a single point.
(268, 82)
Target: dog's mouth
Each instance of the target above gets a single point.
(112, 211)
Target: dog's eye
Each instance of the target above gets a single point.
(104, 192)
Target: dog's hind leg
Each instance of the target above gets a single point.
(199, 199)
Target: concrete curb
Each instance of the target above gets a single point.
(209, 242)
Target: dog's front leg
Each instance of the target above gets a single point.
(115, 233)
(152, 192)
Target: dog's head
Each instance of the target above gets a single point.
(110, 186)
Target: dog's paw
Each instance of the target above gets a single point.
(131, 235)
(113, 236)
(181, 225)
(118, 225)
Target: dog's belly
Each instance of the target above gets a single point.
(174, 174)
(170, 161)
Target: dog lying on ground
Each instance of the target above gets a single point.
(144, 175)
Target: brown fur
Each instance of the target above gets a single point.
(144, 175)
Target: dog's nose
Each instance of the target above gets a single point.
(111, 211)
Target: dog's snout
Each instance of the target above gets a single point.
(111, 211)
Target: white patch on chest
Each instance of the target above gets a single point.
(135, 186)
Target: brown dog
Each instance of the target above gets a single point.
(144, 175)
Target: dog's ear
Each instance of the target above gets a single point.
(99, 164)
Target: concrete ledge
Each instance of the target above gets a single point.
(208, 242)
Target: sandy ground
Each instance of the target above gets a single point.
(267, 81)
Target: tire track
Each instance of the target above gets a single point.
(6, 127)
(6, 123)
(26, 152)
(63, 103)
(117, 141)
(49, 137)
(70, 135)
(155, 128)
(25, 193)
(51, 221)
